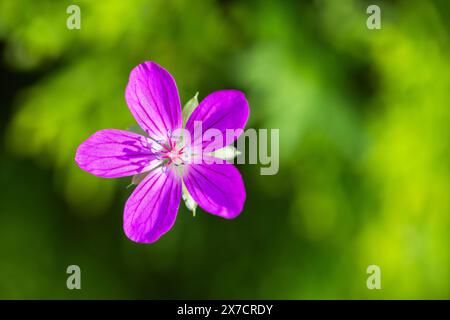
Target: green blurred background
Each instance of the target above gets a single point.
(364, 148)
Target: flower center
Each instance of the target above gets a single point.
(172, 153)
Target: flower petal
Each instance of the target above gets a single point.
(152, 208)
(217, 187)
(115, 153)
(221, 110)
(152, 97)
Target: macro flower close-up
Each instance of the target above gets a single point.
(166, 165)
(133, 168)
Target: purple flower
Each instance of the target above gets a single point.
(163, 162)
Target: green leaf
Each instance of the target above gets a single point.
(137, 129)
(188, 200)
(226, 153)
(189, 107)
